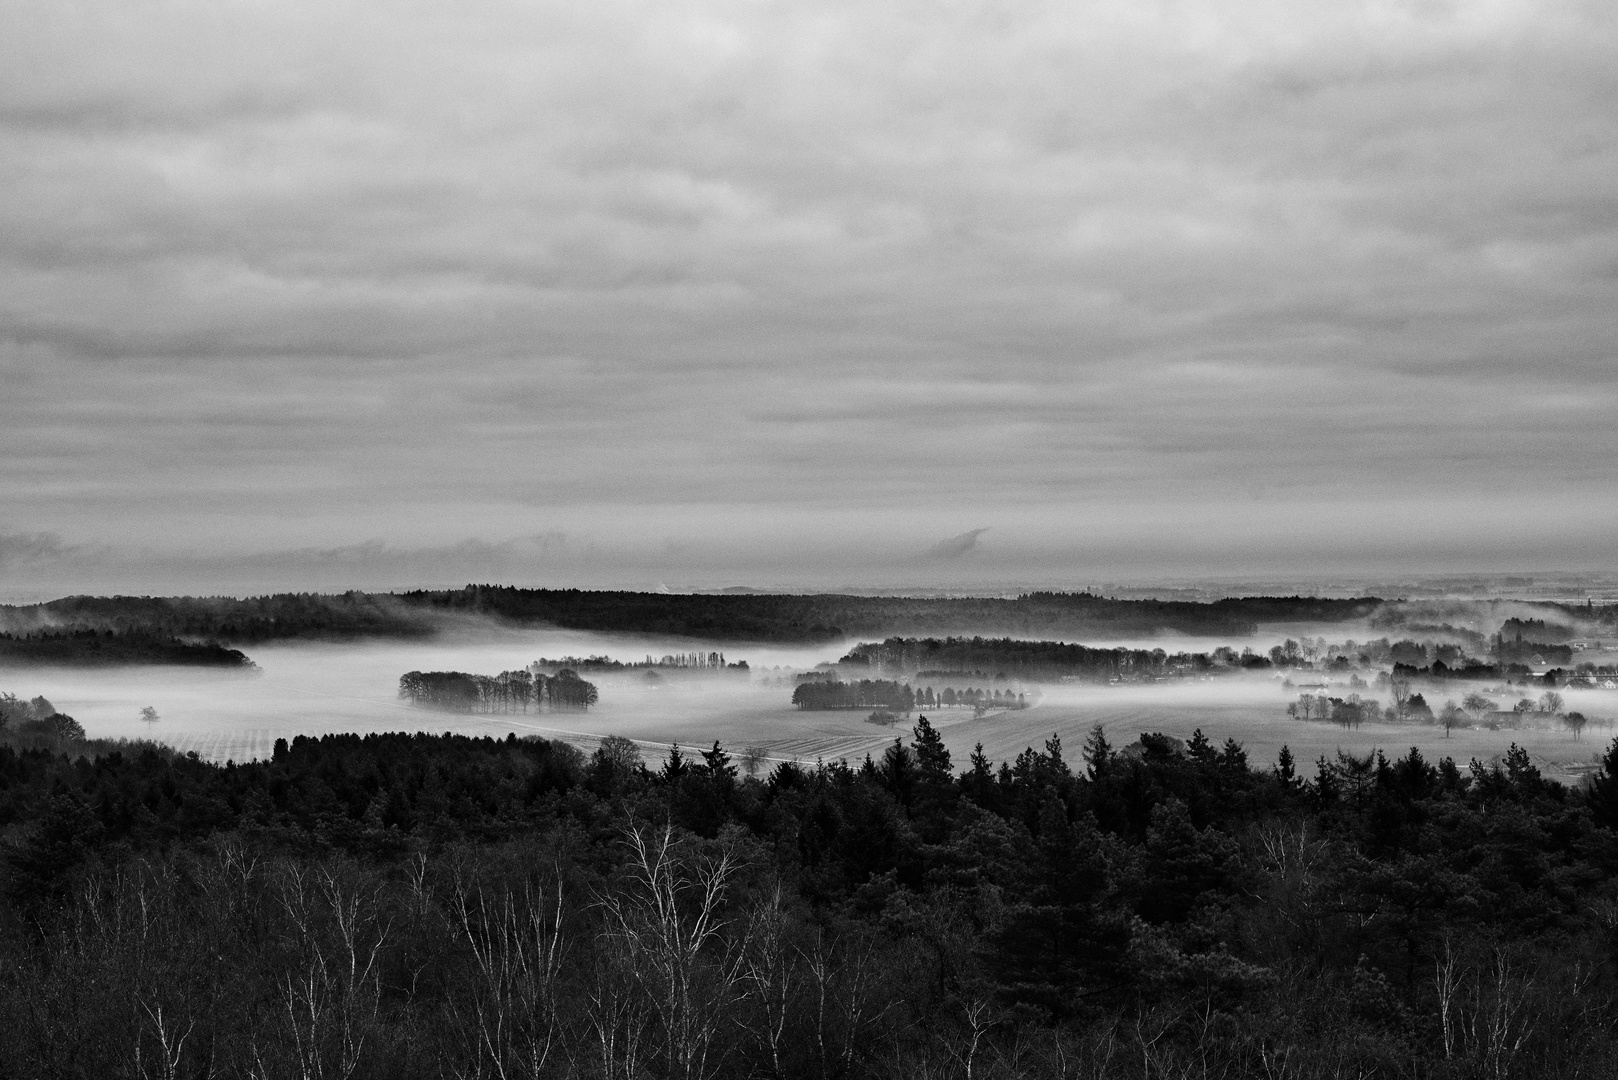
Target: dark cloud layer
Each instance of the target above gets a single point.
(790, 291)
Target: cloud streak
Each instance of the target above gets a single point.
(956, 546)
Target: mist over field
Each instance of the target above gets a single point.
(315, 688)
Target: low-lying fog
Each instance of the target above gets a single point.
(314, 689)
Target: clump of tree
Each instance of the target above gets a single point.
(39, 719)
(1309, 706)
(1477, 706)
(687, 661)
(862, 694)
(1462, 668)
(1348, 712)
(970, 698)
(507, 692)
(1526, 650)
(1536, 631)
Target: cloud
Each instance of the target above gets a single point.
(294, 277)
(18, 550)
(956, 546)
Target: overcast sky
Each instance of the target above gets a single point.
(612, 292)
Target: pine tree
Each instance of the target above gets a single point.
(1603, 793)
(1097, 751)
(718, 761)
(932, 756)
(1286, 769)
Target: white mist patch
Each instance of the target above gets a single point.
(317, 689)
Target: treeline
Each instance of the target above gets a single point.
(1051, 660)
(38, 717)
(1470, 670)
(723, 617)
(1478, 671)
(1536, 631)
(1035, 660)
(1469, 638)
(1518, 651)
(507, 692)
(1558, 622)
(225, 618)
(970, 697)
(862, 694)
(688, 661)
(826, 617)
(97, 647)
(420, 906)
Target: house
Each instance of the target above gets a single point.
(1502, 719)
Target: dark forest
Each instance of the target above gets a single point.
(443, 906)
(157, 623)
(106, 646)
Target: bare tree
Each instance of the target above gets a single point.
(1447, 983)
(843, 1007)
(770, 970)
(619, 754)
(1399, 687)
(1501, 1021)
(169, 1037)
(1477, 706)
(331, 999)
(617, 1018)
(518, 947)
(668, 929)
(979, 1014)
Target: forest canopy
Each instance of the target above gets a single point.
(427, 906)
